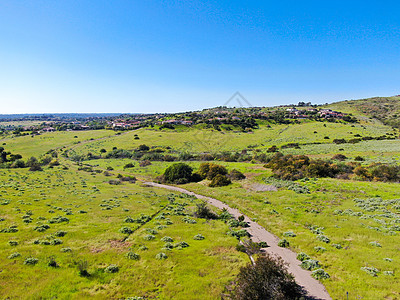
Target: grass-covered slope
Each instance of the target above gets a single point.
(385, 109)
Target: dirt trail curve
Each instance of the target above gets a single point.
(314, 288)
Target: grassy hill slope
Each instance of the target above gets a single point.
(384, 109)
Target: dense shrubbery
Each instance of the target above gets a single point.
(289, 167)
(178, 173)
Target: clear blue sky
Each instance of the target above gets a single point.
(156, 56)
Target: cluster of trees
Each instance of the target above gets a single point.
(293, 167)
(180, 173)
(9, 160)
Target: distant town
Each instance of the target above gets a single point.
(246, 118)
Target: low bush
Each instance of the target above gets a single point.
(13, 243)
(161, 256)
(310, 264)
(167, 239)
(51, 262)
(65, 250)
(220, 180)
(375, 244)
(323, 238)
(31, 261)
(236, 175)
(289, 234)
(319, 249)
(320, 274)
(371, 271)
(198, 237)
(132, 255)
(126, 230)
(239, 233)
(181, 245)
(302, 256)
(14, 255)
(149, 237)
(283, 243)
(111, 269)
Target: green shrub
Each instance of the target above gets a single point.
(319, 249)
(10, 229)
(302, 256)
(67, 249)
(219, 180)
(371, 271)
(388, 259)
(225, 215)
(239, 233)
(14, 255)
(51, 262)
(337, 246)
(189, 220)
(310, 264)
(111, 269)
(58, 219)
(268, 278)
(236, 175)
(31, 261)
(168, 246)
(54, 242)
(151, 231)
(161, 255)
(178, 173)
(60, 233)
(375, 244)
(263, 244)
(198, 237)
(167, 239)
(129, 165)
(320, 274)
(203, 211)
(13, 243)
(289, 234)
(181, 245)
(388, 273)
(126, 230)
(323, 238)
(283, 243)
(210, 170)
(149, 237)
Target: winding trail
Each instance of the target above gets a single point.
(314, 288)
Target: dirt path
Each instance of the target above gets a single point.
(312, 286)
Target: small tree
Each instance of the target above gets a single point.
(268, 278)
(178, 173)
(203, 211)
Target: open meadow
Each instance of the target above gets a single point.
(74, 231)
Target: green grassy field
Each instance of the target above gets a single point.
(362, 233)
(95, 212)
(207, 140)
(29, 146)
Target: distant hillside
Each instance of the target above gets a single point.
(385, 109)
